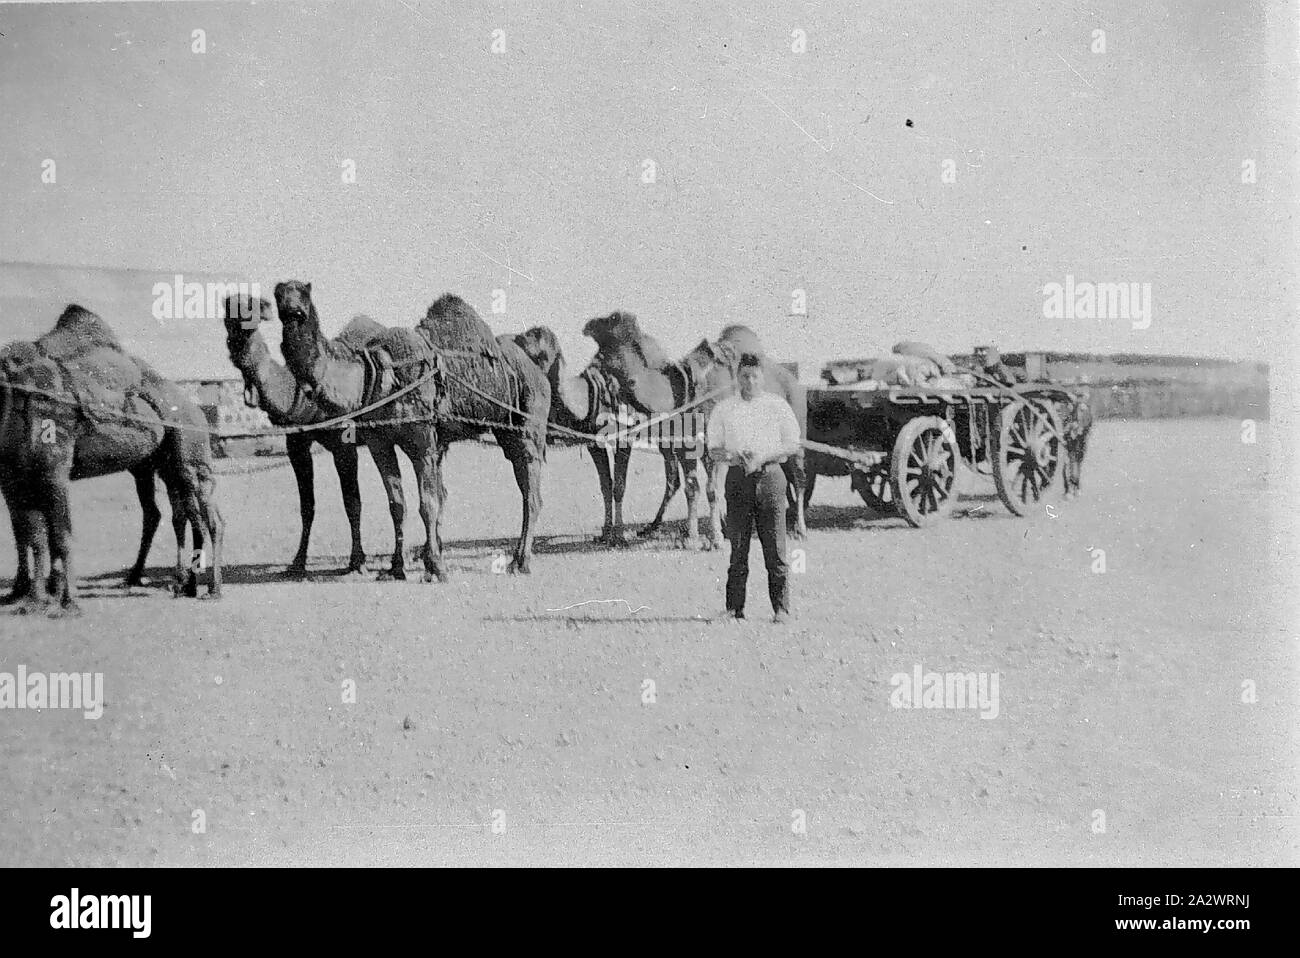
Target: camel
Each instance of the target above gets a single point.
(270, 387)
(652, 385)
(466, 383)
(584, 403)
(75, 405)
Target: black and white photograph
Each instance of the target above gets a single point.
(687, 433)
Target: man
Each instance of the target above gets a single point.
(1077, 426)
(754, 433)
(995, 368)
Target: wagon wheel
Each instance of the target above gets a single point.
(1029, 454)
(923, 470)
(875, 489)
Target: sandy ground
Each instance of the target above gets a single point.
(1120, 692)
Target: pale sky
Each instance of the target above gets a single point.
(775, 170)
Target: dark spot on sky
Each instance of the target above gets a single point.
(1024, 247)
(909, 122)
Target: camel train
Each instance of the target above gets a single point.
(74, 404)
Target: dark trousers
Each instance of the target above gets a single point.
(757, 500)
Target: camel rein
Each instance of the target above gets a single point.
(586, 438)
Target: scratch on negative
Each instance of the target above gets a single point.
(824, 149)
(590, 601)
(1072, 69)
(863, 189)
(505, 266)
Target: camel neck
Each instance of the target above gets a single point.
(278, 394)
(569, 392)
(337, 384)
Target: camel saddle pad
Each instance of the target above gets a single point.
(101, 381)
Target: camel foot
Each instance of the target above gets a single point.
(353, 575)
(435, 575)
(392, 575)
(32, 605)
(67, 609)
(14, 597)
(648, 532)
(519, 567)
(211, 596)
(693, 544)
(134, 580)
(295, 570)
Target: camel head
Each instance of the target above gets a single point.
(293, 302)
(617, 329)
(540, 345)
(301, 339)
(242, 315)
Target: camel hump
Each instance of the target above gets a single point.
(744, 339)
(90, 356)
(620, 331)
(359, 332)
(452, 323)
(77, 330)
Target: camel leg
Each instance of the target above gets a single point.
(528, 476)
(600, 458)
(147, 493)
(23, 577)
(34, 539)
(692, 483)
(426, 460)
(442, 495)
(298, 446)
(622, 454)
(672, 482)
(210, 516)
(199, 544)
(810, 481)
(385, 457)
(345, 464)
(63, 579)
(180, 520)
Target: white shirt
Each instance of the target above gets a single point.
(764, 425)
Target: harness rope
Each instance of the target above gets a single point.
(553, 428)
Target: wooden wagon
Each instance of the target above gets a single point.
(908, 446)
